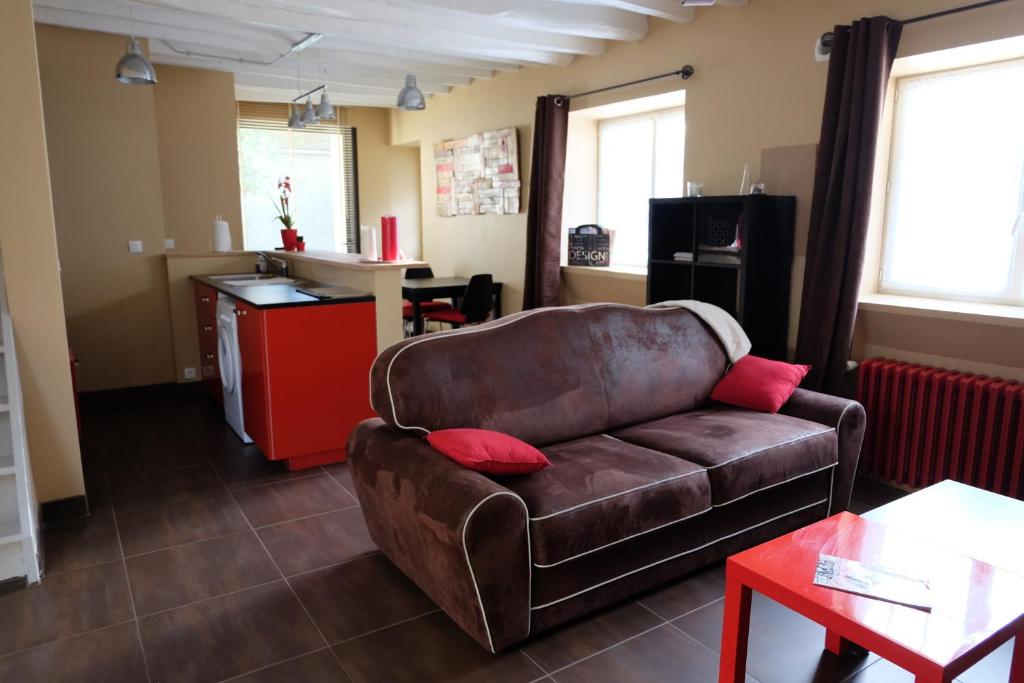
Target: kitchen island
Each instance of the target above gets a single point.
(382, 280)
(289, 359)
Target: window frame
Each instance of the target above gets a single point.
(274, 117)
(1016, 273)
(652, 115)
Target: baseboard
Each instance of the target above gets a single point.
(15, 583)
(63, 510)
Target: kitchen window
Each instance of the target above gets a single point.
(320, 159)
(954, 206)
(639, 157)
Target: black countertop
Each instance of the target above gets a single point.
(282, 296)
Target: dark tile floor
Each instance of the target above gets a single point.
(203, 562)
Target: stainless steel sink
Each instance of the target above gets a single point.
(249, 279)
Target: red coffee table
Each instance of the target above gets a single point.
(978, 606)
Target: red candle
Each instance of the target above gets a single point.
(389, 238)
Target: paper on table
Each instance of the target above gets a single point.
(876, 582)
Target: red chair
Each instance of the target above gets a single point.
(425, 306)
(476, 307)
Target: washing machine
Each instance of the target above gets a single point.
(230, 365)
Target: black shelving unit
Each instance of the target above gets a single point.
(750, 280)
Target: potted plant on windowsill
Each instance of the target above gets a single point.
(289, 235)
(300, 243)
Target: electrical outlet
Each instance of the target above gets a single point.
(135, 246)
(169, 243)
(190, 373)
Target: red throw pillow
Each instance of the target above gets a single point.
(487, 451)
(759, 383)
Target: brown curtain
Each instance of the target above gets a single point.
(858, 72)
(544, 219)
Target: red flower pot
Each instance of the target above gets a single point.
(289, 237)
(301, 246)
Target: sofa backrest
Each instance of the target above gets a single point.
(552, 374)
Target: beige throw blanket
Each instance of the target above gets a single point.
(729, 332)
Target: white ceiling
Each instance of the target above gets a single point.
(366, 46)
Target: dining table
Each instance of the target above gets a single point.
(419, 290)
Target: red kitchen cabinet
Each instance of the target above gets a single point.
(305, 378)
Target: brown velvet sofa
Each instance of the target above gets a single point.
(649, 480)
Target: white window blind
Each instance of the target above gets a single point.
(321, 159)
(639, 157)
(953, 224)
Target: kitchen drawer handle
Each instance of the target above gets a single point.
(209, 356)
(239, 311)
(205, 299)
(207, 328)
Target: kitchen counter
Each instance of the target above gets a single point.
(331, 258)
(285, 295)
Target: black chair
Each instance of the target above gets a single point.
(425, 306)
(476, 306)
(418, 273)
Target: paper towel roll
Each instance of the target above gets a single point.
(368, 243)
(221, 235)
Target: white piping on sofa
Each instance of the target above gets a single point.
(678, 555)
(780, 483)
(472, 574)
(615, 495)
(768, 448)
(696, 514)
(472, 330)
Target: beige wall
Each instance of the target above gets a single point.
(198, 143)
(756, 87)
(29, 246)
(389, 177)
(105, 170)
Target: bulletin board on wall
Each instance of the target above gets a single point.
(478, 174)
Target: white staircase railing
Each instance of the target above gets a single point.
(19, 526)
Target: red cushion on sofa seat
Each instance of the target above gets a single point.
(759, 383)
(487, 451)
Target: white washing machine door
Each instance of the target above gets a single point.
(228, 349)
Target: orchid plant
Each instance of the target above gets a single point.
(283, 204)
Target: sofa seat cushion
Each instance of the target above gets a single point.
(600, 491)
(744, 451)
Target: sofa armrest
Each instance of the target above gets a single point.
(848, 419)
(461, 537)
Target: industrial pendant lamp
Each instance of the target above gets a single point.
(324, 110)
(411, 98)
(309, 115)
(134, 68)
(295, 121)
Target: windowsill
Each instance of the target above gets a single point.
(968, 311)
(621, 272)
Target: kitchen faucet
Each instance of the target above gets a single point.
(275, 265)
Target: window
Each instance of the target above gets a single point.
(955, 204)
(639, 157)
(321, 162)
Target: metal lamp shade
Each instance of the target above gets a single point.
(295, 121)
(324, 110)
(309, 116)
(411, 98)
(134, 68)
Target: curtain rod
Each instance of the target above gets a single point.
(683, 73)
(955, 10)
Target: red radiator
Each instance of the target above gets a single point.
(928, 424)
